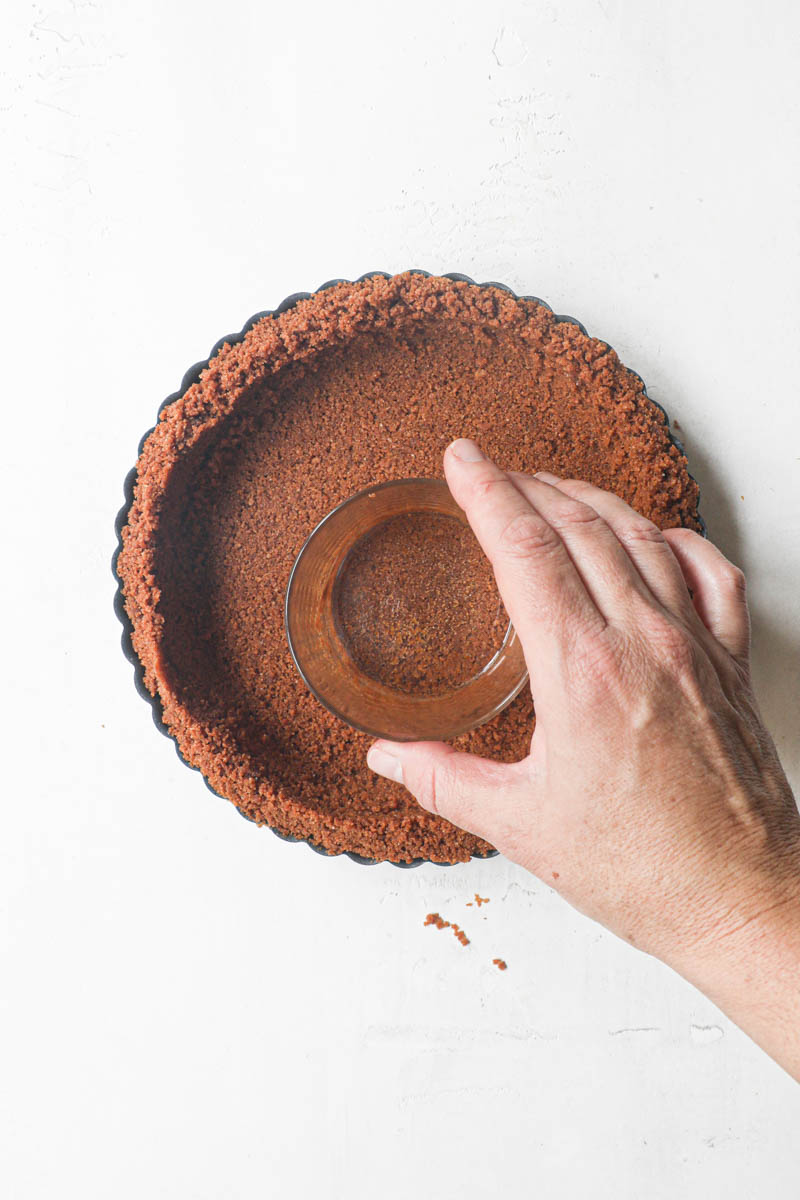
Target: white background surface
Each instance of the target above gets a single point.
(190, 1007)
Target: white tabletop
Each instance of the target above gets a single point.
(192, 1008)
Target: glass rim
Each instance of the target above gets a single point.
(457, 730)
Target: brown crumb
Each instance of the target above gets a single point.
(451, 621)
(435, 919)
(479, 900)
(500, 963)
(440, 923)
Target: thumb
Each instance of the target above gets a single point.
(484, 797)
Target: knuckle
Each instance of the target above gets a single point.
(673, 645)
(526, 535)
(576, 514)
(430, 791)
(734, 580)
(640, 532)
(435, 789)
(598, 661)
(485, 487)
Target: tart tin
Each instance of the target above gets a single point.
(191, 377)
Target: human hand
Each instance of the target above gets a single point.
(652, 799)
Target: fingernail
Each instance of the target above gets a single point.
(466, 450)
(547, 477)
(383, 763)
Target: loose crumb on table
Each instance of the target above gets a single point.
(440, 923)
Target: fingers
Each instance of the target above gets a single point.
(718, 590)
(609, 573)
(643, 542)
(486, 798)
(542, 591)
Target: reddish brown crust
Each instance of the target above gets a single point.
(383, 373)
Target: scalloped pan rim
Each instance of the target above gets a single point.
(191, 377)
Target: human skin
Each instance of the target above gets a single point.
(652, 799)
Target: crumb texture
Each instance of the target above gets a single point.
(417, 606)
(361, 383)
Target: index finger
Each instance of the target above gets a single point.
(543, 593)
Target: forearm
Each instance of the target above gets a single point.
(753, 974)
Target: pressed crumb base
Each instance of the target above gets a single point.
(416, 604)
(361, 383)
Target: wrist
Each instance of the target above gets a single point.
(749, 965)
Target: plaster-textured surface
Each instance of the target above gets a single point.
(191, 1008)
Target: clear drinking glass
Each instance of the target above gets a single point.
(323, 649)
